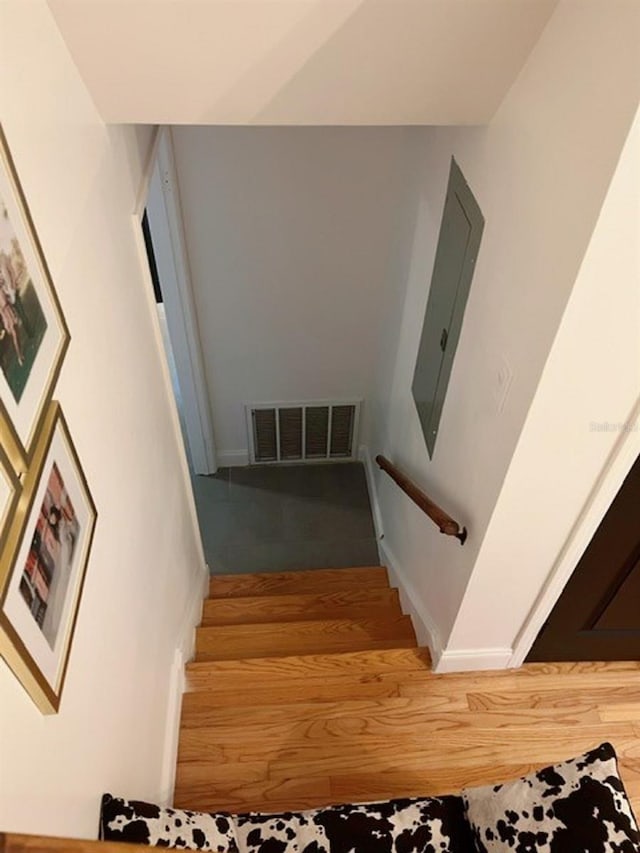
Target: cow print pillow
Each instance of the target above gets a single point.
(579, 806)
(143, 823)
(428, 825)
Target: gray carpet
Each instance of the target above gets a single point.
(277, 518)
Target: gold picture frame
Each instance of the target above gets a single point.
(10, 489)
(33, 333)
(43, 564)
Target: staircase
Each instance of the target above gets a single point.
(296, 678)
(308, 689)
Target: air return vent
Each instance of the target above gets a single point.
(302, 432)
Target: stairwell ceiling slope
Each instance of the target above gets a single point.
(300, 62)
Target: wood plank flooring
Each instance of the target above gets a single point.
(308, 689)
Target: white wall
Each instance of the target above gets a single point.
(293, 237)
(583, 414)
(539, 172)
(81, 180)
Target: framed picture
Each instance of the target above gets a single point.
(43, 564)
(33, 333)
(9, 494)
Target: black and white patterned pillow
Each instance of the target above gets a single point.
(578, 806)
(144, 823)
(427, 825)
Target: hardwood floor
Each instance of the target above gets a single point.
(308, 689)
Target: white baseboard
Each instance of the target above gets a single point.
(423, 624)
(184, 652)
(468, 660)
(427, 634)
(232, 458)
(192, 616)
(172, 731)
(365, 457)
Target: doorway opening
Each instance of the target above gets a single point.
(164, 329)
(312, 512)
(163, 234)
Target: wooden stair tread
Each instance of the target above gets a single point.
(345, 604)
(227, 642)
(296, 583)
(269, 671)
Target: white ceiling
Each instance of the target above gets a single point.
(300, 61)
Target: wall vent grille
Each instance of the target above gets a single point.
(302, 432)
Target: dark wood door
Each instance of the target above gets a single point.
(597, 617)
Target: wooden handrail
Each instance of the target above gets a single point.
(15, 843)
(445, 523)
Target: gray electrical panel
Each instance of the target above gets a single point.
(458, 244)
